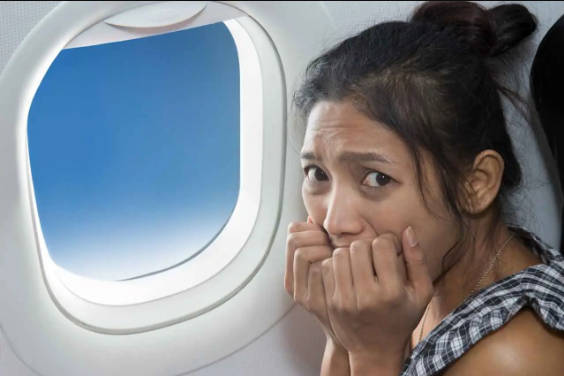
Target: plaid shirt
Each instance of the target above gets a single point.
(540, 287)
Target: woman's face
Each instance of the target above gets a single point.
(360, 181)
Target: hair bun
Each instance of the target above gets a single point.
(487, 32)
(513, 23)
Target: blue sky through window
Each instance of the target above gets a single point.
(134, 151)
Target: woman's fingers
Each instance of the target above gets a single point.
(344, 294)
(361, 264)
(328, 279)
(309, 236)
(315, 301)
(305, 226)
(387, 268)
(363, 273)
(303, 259)
(388, 263)
(302, 226)
(417, 270)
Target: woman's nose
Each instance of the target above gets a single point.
(342, 217)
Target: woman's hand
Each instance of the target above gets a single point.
(376, 293)
(307, 246)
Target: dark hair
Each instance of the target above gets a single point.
(430, 81)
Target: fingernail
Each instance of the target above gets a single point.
(411, 239)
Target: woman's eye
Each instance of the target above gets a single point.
(376, 179)
(315, 174)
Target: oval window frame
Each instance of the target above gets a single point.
(84, 302)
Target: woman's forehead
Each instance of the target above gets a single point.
(339, 128)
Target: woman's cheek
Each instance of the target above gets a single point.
(386, 218)
(313, 205)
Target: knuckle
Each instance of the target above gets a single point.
(390, 239)
(340, 252)
(300, 239)
(377, 243)
(324, 239)
(317, 238)
(292, 240)
(293, 227)
(386, 241)
(300, 255)
(327, 253)
(359, 245)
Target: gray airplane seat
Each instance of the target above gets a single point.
(546, 82)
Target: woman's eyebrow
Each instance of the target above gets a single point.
(352, 156)
(308, 155)
(364, 157)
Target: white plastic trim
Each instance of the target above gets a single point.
(231, 260)
(102, 32)
(157, 15)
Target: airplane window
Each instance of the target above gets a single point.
(134, 151)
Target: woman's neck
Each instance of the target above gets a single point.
(469, 272)
(480, 262)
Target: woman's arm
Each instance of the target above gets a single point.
(335, 360)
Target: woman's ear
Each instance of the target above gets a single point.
(483, 182)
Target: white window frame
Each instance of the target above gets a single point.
(235, 255)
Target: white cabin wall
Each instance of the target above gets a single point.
(17, 18)
(293, 345)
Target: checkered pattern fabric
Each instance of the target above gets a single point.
(540, 287)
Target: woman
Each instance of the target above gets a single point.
(405, 258)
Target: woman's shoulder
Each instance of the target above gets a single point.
(524, 346)
(520, 314)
